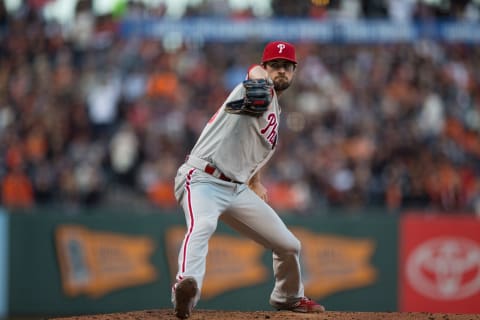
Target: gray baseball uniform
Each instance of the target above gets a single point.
(211, 184)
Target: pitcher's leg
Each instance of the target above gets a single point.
(202, 205)
(193, 251)
(253, 217)
(288, 279)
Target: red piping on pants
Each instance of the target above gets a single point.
(192, 221)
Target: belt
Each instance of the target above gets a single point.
(208, 168)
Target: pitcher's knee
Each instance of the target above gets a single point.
(205, 228)
(292, 247)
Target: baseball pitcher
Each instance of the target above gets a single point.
(220, 179)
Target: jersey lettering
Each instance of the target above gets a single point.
(270, 130)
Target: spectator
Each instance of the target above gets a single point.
(394, 125)
(17, 190)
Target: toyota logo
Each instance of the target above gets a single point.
(446, 268)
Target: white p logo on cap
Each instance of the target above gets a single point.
(280, 47)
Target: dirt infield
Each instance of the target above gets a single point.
(166, 314)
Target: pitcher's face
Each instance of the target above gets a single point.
(281, 72)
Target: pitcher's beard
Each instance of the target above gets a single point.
(280, 84)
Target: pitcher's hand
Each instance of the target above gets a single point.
(260, 190)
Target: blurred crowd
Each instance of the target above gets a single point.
(88, 118)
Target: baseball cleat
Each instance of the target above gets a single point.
(304, 305)
(185, 292)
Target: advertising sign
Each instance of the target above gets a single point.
(334, 263)
(98, 262)
(440, 264)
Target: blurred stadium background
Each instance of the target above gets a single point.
(101, 100)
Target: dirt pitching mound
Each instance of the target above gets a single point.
(166, 314)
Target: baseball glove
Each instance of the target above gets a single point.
(258, 95)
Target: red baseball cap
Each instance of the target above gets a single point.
(279, 50)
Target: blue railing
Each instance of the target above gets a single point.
(3, 264)
(329, 31)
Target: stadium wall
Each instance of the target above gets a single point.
(97, 263)
(102, 262)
